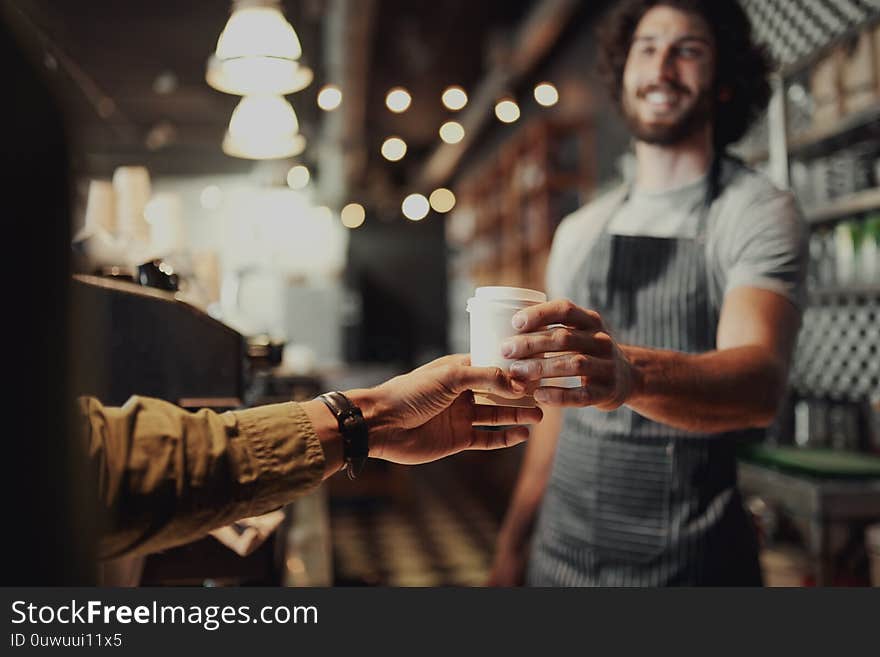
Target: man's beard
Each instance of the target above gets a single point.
(692, 121)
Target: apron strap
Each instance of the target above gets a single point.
(713, 191)
(605, 255)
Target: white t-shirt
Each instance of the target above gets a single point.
(755, 233)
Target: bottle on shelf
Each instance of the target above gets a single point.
(869, 255)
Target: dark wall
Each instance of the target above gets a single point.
(46, 491)
(399, 269)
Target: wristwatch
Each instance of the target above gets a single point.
(354, 431)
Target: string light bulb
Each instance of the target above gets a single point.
(546, 94)
(442, 200)
(330, 97)
(398, 100)
(298, 177)
(507, 110)
(454, 98)
(452, 132)
(353, 215)
(393, 149)
(415, 207)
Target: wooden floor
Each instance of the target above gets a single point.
(435, 534)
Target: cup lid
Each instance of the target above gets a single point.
(502, 293)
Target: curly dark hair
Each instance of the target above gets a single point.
(742, 66)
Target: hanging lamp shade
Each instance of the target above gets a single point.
(258, 52)
(263, 128)
(252, 76)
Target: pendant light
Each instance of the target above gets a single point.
(263, 127)
(258, 52)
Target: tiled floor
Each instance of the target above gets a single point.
(438, 535)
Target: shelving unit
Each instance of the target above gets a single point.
(863, 124)
(514, 202)
(865, 201)
(828, 53)
(823, 138)
(853, 290)
(823, 127)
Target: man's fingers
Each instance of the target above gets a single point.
(532, 369)
(560, 311)
(562, 397)
(498, 439)
(555, 339)
(502, 415)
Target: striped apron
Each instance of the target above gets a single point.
(632, 502)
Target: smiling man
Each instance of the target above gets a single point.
(677, 299)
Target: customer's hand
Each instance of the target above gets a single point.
(429, 413)
(607, 376)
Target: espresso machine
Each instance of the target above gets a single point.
(131, 339)
(136, 340)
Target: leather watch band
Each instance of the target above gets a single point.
(353, 429)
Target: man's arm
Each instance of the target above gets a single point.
(511, 550)
(737, 386)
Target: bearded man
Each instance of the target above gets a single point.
(677, 299)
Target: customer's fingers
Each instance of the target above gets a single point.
(485, 379)
(503, 415)
(498, 439)
(453, 360)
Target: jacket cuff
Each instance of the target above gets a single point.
(287, 459)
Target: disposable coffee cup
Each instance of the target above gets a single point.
(491, 311)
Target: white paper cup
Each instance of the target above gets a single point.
(100, 208)
(491, 310)
(132, 187)
(164, 214)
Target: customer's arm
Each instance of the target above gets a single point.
(512, 546)
(166, 476)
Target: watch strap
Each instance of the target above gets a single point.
(353, 429)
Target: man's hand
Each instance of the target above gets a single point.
(508, 565)
(608, 379)
(430, 413)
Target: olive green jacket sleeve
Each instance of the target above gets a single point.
(165, 476)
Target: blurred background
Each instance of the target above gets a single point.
(256, 231)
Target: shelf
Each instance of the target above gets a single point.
(863, 201)
(514, 198)
(855, 289)
(815, 141)
(820, 140)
